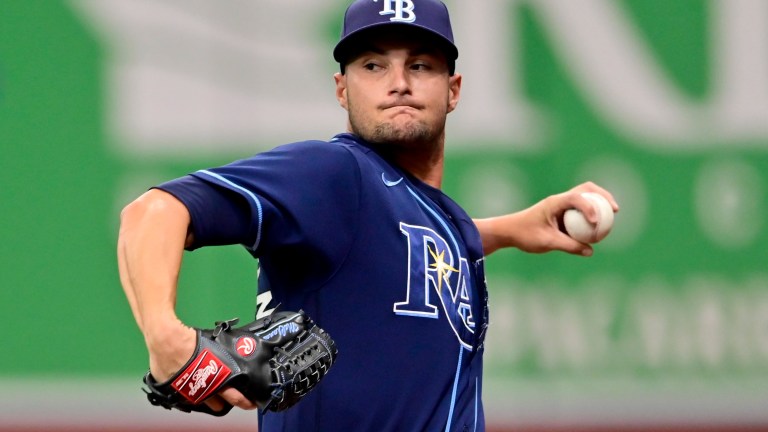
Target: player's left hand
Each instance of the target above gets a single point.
(231, 396)
(269, 364)
(538, 228)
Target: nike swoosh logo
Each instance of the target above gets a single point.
(390, 183)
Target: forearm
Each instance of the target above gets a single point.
(499, 232)
(537, 229)
(153, 233)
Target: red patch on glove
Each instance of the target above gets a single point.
(202, 377)
(245, 346)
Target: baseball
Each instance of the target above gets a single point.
(577, 226)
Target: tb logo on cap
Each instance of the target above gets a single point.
(401, 7)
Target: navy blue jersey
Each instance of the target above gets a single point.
(391, 267)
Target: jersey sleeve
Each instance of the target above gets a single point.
(298, 201)
(230, 224)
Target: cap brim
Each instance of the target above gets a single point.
(348, 46)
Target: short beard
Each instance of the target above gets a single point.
(411, 133)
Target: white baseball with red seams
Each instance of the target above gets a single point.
(579, 228)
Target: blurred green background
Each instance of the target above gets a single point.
(663, 103)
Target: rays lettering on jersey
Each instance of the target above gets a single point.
(401, 6)
(435, 277)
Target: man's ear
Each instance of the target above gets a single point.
(341, 89)
(454, 91)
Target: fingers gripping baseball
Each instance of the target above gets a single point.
(545, 221)
(551, 235)
(589, 213)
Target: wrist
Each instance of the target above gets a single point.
(170, 344)
(499, 232)
(165, 333)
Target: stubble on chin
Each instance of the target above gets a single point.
(393, 132)
(406, 134)
(410, 133)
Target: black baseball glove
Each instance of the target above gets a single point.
(273, 361)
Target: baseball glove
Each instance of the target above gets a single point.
(273, 361)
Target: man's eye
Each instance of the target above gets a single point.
(420, 66)
(371, 66)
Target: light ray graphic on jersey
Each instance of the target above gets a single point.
(443, 269)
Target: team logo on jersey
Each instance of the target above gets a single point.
(402, 11)
(437, 280)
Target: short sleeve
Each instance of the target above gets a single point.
(297, 202)
(230, 224)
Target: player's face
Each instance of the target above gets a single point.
(398, 92)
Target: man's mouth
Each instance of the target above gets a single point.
(402, 105)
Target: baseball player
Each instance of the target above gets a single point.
(355, 231)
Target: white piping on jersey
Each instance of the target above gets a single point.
(249, 194)
(437, 216)
(476, 399)
(456, 248)
(453, 393)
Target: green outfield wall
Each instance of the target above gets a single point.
(665, 103)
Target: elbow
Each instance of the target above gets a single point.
(154, 206)
(132, 217)
(130, 211)
(136, 211)
(156, 211)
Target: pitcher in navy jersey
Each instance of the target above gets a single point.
(355, 231)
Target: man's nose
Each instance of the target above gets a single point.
(400, 80)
